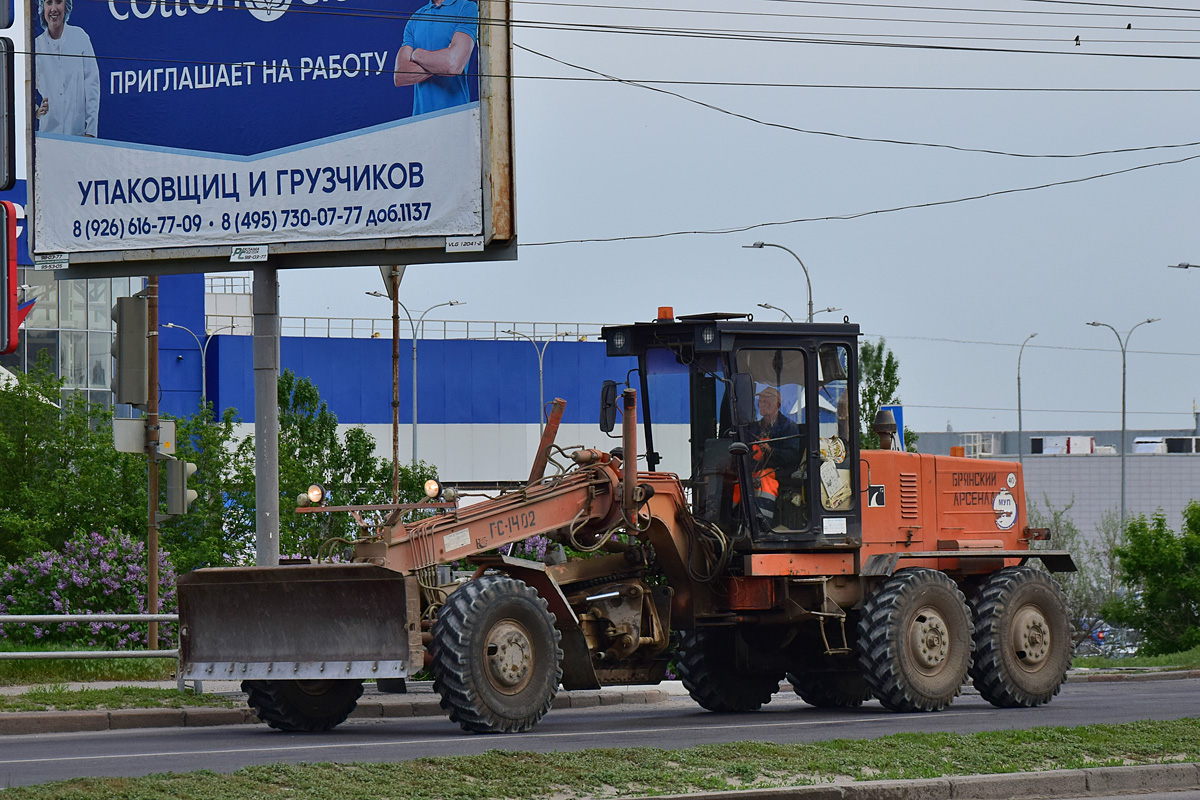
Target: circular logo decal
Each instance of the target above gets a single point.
(1005, 506)
(833, 449)
(267, 10)
(1012, 480)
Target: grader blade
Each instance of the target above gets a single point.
(299, 623)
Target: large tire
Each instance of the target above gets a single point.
(1022, 638)
(833, 688)
(303, 706)
(496, 656)
(915, 641)
(708, 669)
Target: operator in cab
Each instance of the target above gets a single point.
(776, 453)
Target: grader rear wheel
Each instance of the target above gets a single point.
(915, 641)
(496, 656)
(707, 666)
(1022, 638)
(303, 706)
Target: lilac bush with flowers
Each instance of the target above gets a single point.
(533, 548)
(94, 573)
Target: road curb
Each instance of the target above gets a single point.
(420, 704)
(1106, 677)
(1049, 785)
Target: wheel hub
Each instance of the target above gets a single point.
(1031, 636)
(509, 656)
(929, 639)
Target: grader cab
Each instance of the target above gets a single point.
(759, 541)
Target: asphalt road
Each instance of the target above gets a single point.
(33, 759)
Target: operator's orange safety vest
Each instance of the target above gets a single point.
(766, 488)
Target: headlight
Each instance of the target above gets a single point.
(432, 488)
(316, 494)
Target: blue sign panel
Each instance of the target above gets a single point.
(175, 123)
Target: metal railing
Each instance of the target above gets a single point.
(371, 328)
(55, 619)
(228, 284)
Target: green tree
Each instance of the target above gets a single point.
(1161, 573)
(879, 382)
(1094, 583)
(204, 537)
(311, 451)
(61, 473)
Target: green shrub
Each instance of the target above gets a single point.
(93, 574)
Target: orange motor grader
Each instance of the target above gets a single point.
(747, 537)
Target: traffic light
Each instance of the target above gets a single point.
(131, 350)
(179, 497)
(8, 128)
(10, 320)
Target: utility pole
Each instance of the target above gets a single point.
(152, 454)
(394, 288)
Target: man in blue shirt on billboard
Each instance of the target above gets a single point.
(438, 42)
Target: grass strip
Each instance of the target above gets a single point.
(647, 771)
(1189, 659)
(60, 698)
(75, 670)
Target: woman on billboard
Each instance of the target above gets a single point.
(68, 79)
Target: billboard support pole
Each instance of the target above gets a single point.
(266, 414)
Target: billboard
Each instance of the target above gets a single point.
(205, 128)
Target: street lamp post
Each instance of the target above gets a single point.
(789, 316)
(541, 353)
(203, 354)
(1123, 343)
(415, 328)
(760, 245)
(1020, 427)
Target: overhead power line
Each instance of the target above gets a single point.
(1114, 5)
(1073, 25)
(851, 137)
(861, 214)
(957, 9)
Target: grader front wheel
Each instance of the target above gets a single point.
(915, 641)
(496, 656)
(1022, 638)
(303, 706)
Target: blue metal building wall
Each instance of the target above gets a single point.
(181, 301)
(458, 381)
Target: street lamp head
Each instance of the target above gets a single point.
(755, 246)
(1182, 265)
(1095, 324)
(168, 325)
(456, 302)
(375, 294)
(1153, 319)
(765, 305)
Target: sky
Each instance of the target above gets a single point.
(954, 287)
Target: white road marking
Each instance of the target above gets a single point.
(399, 742)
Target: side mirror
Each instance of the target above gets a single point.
(608, 406)
(744, 411)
